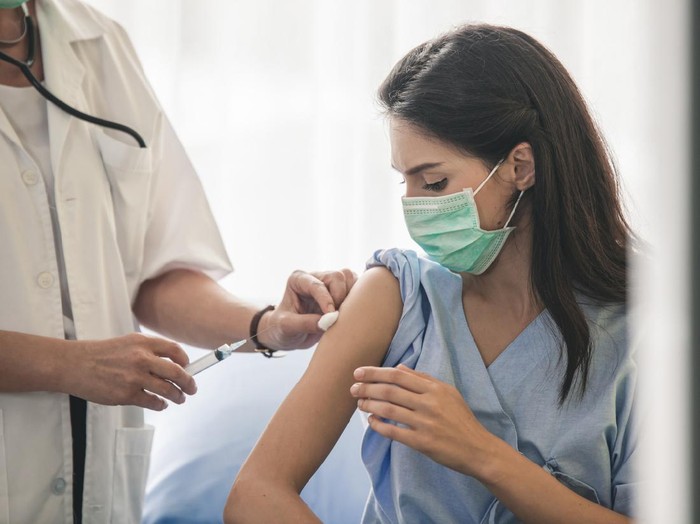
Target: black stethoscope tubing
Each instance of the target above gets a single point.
(24, 67)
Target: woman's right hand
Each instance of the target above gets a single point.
(134, 369)
(433, 417)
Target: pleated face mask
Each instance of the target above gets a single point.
(11, 4)
(447, 228)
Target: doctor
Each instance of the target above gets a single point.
(97, 232)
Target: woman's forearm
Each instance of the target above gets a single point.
(254, 499)
(534, 495)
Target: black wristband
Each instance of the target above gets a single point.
(254, 322)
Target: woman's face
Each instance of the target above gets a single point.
(431, 167)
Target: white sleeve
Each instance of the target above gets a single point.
(181, 231)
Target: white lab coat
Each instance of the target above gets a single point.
(126, 215)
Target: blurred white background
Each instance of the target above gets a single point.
(274, 101)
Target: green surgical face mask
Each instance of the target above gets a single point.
(11, 4)
(447, 229)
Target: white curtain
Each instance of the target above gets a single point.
(274, 101)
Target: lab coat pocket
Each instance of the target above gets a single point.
(129, 171)
(4, 493)
(131, 462)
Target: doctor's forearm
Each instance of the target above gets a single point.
(190, 307)
(126, 370)
(30, 362)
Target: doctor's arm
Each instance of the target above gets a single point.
(190, 307)
(133, 369)
(309, 422)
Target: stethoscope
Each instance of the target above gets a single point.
(24, 67)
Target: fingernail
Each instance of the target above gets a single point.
(354, 389)
(360, 402)
(359, 373)
(165, 405)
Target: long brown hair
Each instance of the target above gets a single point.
(486, 89)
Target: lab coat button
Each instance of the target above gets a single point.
(45, 280)
(30, 177)
(58, 486)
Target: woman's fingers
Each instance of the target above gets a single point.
(401, 376)
(421, 412)
(385, 392)
(388, 411)
(391, 431)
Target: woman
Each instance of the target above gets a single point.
(507, 388)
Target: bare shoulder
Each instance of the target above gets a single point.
(378, 283)
(368, 320)
(375, 300)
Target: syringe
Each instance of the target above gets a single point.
(212, 357)
(225, 351)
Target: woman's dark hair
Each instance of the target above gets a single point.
(486, 89)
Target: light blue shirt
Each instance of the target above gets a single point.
(587, 444)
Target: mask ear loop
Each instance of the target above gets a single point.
(514, 207)
(495, 168)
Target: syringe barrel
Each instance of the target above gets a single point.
(202, 363)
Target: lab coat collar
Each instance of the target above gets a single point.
(61, 24)
(69, 21)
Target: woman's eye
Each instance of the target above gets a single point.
(436, 186)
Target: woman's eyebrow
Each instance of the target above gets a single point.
(420, 167)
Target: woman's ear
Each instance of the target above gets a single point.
(523, 159)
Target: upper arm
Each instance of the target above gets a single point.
(311, 419)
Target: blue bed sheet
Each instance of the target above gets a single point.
(199, 446)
